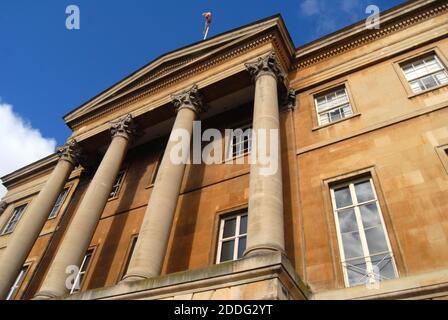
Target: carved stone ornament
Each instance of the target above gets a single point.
(124, 127)
(70, 152)
(3, 206)
(288, 101)
(266, 65)
(191, 99)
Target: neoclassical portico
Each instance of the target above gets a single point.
(265, 227)
(81, 229)
(27, 231)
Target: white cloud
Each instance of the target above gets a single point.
(20, 143)
(309, 7)
(330, 15)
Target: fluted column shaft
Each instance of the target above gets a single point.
(81, 229)
(265, 216)
(29, 228)
(149, 252)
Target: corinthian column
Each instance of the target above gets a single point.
(80, 231)
(265, 217)
(150, 248)
(29, 228)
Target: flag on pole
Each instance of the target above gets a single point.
(208, 21)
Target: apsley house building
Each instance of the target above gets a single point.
(356, 206)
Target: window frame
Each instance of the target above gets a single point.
(60, 205)
(350, 182)
(81, 273)
(18, 282)
(423, 58)
(229, 155)
(332, 108)
(325, 89)
(442, 152)
(7, 225)
(123, 173)
(415, 55)
(130, 250)
(236, 237)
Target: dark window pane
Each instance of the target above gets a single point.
(357, 272)
(370, 216)
(429, 82)
(352, 245)
(343, 197)
(229, 228)
(227, 250)
(376, 240)
(364, 191)
(243, 225)
(241, 246)
(347, 220)
(335, 115)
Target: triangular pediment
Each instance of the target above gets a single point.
(170, 62)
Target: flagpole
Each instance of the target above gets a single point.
(208, 21)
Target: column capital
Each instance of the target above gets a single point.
(124, 127)
(70, 152)
(288, 100)
(266, 65)
(190, 99)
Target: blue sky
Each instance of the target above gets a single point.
(47, 70)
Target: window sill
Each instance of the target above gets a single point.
(112, 199)
(234, 158)
(338, 121)
(413, 95)
(149, 186)
(6, 234)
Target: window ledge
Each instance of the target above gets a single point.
(149, 186)
(338, 121)
(413, 95)
(113, 198)
(234, 158)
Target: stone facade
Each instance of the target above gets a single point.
(249, 76)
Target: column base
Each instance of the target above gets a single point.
(136, 276)
(264, 249)
(45, 295)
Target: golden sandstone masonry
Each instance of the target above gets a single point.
(356, 208)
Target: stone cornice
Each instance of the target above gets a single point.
(271, 30)
(30, 170)
(352, 37)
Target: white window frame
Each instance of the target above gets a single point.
(371, 277)
(80, 276)
(242, 139)
(332, 107)
(14, 220)
(59, 202)
(17, 283)
(115, 191)
(129, 254)
(235, 237)
(419, 79)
